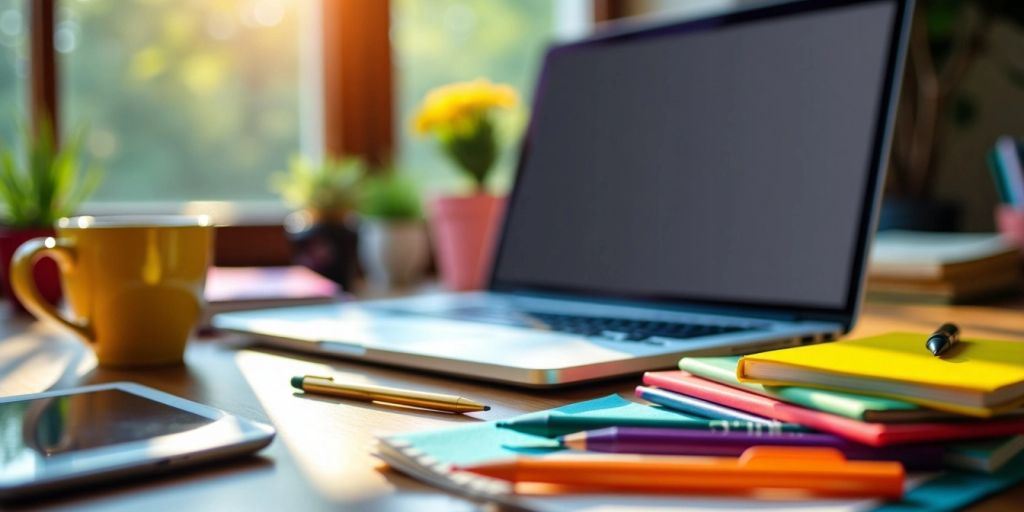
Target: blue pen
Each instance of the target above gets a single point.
(703, 408)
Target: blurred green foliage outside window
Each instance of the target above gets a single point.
(437, 42)
(13, 68)
(200, 99)
(184, 99)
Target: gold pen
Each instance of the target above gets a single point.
(436, 401)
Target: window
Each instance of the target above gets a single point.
(13, 69)
(183, 99)
(437, 42)
(192, 100)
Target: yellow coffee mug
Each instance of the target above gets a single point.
(134, 284)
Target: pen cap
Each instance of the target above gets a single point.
(774, 455)
(950, 330)
(883, 477)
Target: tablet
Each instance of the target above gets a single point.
(71, 437)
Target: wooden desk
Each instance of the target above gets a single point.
(322, 457)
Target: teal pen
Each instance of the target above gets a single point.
(557, 424)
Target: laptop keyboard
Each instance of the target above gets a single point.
(617, 329)
(626, 329)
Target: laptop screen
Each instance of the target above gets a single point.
(730, 161)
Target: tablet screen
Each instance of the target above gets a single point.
(49, 427)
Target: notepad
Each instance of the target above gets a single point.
(976, 377)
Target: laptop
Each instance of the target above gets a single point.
(705, 187)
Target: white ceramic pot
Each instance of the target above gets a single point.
(393, 253)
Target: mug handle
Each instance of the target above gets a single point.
(24, 284)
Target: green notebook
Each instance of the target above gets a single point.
(859, 407)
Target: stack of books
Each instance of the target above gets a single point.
(942, 268)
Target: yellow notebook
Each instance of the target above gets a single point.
(975, 377)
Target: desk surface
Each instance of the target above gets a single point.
(323, 455)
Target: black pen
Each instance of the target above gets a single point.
(943, 339)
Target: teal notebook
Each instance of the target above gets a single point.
(484, 441)
(430, 456)
(859, 407)
(985, 455)
(955, 490)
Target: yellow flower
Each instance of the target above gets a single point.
(457, 107)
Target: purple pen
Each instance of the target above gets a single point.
(666, 441)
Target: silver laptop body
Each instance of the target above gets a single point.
(706, 187)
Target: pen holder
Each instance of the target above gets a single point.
(1010, 221)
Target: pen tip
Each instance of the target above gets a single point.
(487, 407)
(297, 382)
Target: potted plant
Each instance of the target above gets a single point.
(460, 117)
(322, 229)
(392, 241)
(947, 39)
(44, 184)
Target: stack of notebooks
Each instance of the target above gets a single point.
(942, 268)
(881, 391)
(956, 423)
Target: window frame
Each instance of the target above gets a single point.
(42, 76)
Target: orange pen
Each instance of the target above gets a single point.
(823, 471)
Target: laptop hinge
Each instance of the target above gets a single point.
(781, 316)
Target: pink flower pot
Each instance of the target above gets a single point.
(464, 231)
(46, 274)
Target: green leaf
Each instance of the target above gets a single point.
(10, 188)
(49, 184)
(65, 171)
(330, 186)
(941, 16)
(389, 195)
(475, 152)
(90, 182)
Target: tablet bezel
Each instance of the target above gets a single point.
(227, 436)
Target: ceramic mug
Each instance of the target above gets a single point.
(134, 284)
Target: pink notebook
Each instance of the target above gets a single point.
(874, 434)
(281, 284)
(244, 288)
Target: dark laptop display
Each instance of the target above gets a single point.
(731, 166)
